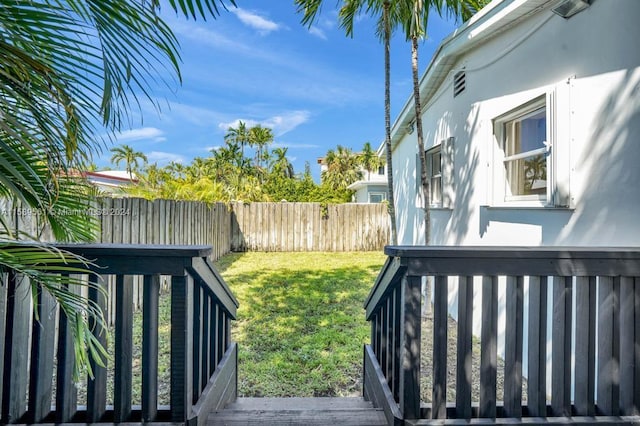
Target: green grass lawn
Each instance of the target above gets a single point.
(301, 324)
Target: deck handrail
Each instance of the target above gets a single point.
(587, 380)
(203, 358)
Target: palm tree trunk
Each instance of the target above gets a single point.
(428, 283)
(423, 161)
(387, 121)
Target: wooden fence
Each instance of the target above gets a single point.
(165, 222)
(309, 227)
(236, 227)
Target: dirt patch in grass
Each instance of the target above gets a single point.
(426, 364)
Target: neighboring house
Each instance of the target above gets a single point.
(111, 181)
(532, 129)
(371, 189)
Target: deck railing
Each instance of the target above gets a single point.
(570, 312)
(37, 366)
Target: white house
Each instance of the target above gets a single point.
(373, 188)
(532, 129)
(111, 181)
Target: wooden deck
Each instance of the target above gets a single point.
(299, 411)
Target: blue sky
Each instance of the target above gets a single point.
(314, 87)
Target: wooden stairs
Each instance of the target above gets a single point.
(352, 411)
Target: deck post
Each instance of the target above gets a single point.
(150, 311)
(488, 347)
(561, 347)
(181, 346)
(410, 335)
(440, 324)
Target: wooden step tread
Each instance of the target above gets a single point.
(299, 411)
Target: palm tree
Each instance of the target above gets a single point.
(369, 160)
(280, 165)
(126, 154)
(343, 168)
(414, 16)
(386, 22)
(239, 136)
(347, 14)
(227, 159)
(200, 168)
(69, 68)
(260, 137)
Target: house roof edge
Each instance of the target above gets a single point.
(493, 19)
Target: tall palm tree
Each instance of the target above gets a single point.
(70, 67)
(347, 14)
(414, 18)
(386, 23)
(130, 157)
(238, 135)
(260, 137)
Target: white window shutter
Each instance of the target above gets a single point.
(560, 102)
(448, 172)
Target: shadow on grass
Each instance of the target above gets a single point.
(226, 261)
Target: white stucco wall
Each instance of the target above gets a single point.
(591, 63)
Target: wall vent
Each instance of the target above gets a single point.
(459, 83)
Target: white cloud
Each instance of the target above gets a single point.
(255, 21)
(317, 32)
(249, 123)
(205, 35)
(164, 158)
(295, 145)
(194, 115)
(286, 122)
(143, 133)
(280, 124)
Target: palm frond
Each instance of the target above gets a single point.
(56, 272)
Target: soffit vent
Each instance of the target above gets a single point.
(459, 83)
(568, 8)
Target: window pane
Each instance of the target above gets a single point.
(527, 133)
(435, 163)
(434, 170)
(436, 190)
(376, 197)
(527, 176)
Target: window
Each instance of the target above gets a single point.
(531, 149)
(440, 172)
(381, 170)
(524, 138)
(525, 150)
(377, 197)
